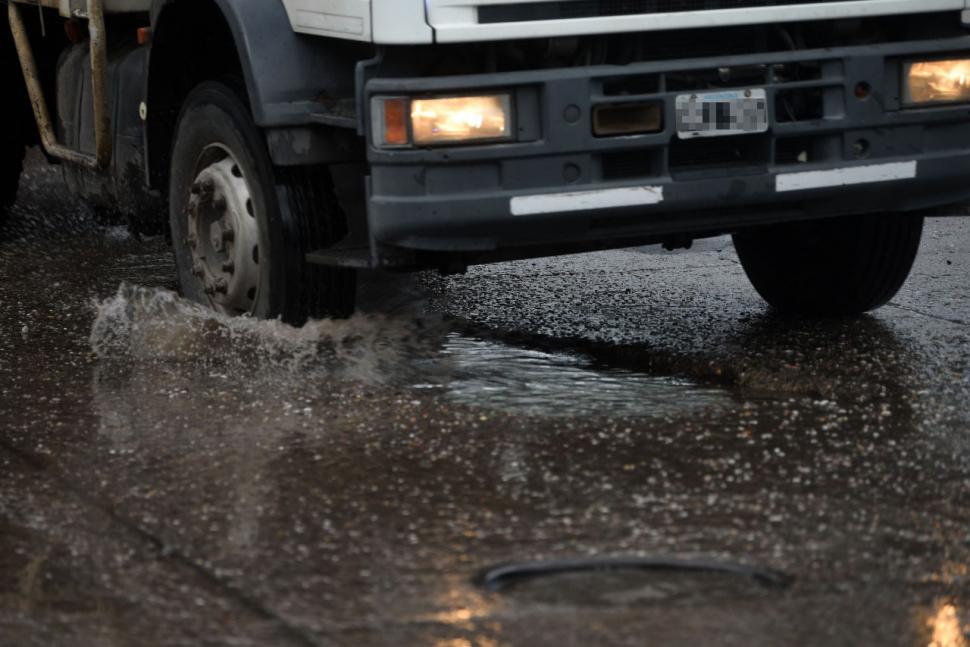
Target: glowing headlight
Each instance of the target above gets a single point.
(928, 82)
(445, 120)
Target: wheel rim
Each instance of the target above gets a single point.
(223, 233)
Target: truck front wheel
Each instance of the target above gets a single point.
(242, 228)
(832, 267)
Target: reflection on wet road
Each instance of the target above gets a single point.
(172, 477)
(540, 383)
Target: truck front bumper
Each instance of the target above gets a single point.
(829, 151)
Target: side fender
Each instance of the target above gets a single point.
(286, 74)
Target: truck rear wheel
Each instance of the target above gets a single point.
(837, 266)
(242, 228)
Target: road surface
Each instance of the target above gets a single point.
(168, 477)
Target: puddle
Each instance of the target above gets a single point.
(404, 351)
(533, 382)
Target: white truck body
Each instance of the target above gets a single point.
(403, 22)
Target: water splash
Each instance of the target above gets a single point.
(148, 324)
(406, 350)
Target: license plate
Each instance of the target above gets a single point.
(717, 114)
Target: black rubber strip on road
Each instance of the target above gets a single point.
(503, 576)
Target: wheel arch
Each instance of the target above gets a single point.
(285, 74)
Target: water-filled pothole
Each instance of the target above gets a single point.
(406, 351)
(536, 382)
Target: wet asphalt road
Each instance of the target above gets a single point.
(171, 478)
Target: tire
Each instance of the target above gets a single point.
(224, 187)
(833, 267)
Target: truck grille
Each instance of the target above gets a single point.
(559, 9)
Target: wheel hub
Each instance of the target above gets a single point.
(223, 235)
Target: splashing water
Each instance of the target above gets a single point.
(410, 351)
(146, 324)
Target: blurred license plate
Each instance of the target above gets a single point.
(715, 114)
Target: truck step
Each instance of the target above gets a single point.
(350, 257)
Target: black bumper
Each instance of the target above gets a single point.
(827, 153)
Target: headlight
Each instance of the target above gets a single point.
(928, 82)
(444, 120)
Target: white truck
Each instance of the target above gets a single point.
(291, 143)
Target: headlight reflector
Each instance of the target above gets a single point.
(461, 119)
(929, 82)
(439, 121)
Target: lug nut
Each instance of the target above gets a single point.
(222, 286)
(228, 267)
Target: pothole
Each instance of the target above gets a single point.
(421, 353)
(491, 374)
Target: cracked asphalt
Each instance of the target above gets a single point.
(169, 477)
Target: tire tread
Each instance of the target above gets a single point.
(838, 266)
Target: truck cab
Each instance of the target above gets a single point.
(285, 145)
